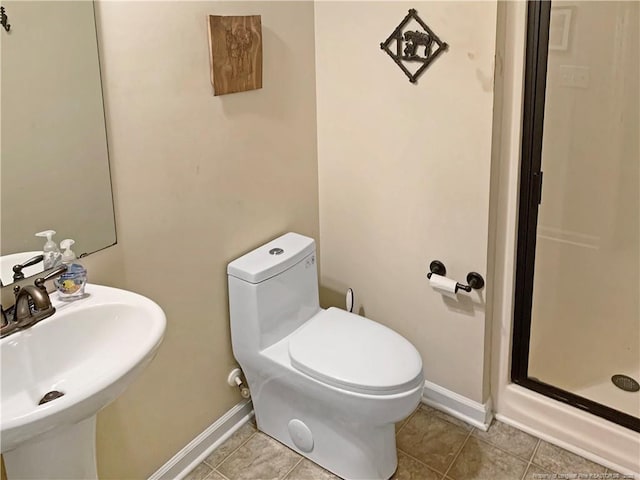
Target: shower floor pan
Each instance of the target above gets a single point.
(605, 392)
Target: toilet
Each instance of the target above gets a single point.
(329, 384)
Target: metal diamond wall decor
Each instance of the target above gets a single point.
(413, 46)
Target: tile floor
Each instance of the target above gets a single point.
(431, 446)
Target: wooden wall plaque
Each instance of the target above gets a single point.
(235, 46)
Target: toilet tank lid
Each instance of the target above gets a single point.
(272, 258)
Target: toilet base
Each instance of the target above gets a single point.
(350, 434)
(345, 448)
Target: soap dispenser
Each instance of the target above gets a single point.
(50, 251)
(70, 285)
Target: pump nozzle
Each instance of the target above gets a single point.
(67, 256)
(46, 233)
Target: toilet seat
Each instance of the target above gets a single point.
(354, 353)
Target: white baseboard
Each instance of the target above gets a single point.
(477, 414)
(200, 447)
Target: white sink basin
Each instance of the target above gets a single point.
(90, 350)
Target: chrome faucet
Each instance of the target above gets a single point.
(32, 305)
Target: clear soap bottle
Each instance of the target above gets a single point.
(70, 285)
(50, 251)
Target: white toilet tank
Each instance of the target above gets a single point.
(273, 290)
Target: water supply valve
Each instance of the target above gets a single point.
(236, 379)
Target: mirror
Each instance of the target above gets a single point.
(55, 166)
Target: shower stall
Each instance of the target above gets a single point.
(576, 327)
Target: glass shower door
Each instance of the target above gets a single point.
(584, 339)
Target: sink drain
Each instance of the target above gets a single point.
(625, 383)
(52, 395)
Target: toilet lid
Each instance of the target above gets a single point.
(354, 353)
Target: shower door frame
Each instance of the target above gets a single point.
(530, 196)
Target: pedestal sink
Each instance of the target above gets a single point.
(90, 350)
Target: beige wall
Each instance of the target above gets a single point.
(198, 181)
(587, 261)
(404, 176)
(403, 179)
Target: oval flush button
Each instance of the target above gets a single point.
(301, 435)
(276, 251)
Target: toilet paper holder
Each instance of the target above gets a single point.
(474, 279)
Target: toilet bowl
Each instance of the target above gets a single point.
(327, 383)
